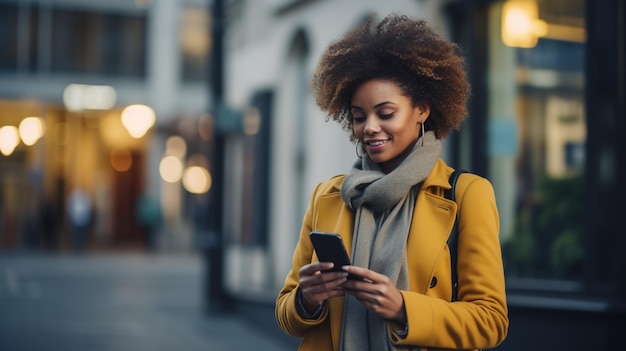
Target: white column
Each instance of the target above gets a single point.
(163, 57)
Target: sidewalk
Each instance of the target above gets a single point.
(121, 302)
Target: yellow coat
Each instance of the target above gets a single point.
(478, 320)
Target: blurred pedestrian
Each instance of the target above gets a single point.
(399, 88)
(80, 214)
(149, 218)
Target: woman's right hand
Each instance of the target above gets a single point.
(316, 287)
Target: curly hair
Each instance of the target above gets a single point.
(426, 67)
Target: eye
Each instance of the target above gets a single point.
(358, 118)
(386, 116)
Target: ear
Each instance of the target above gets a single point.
(423, 111)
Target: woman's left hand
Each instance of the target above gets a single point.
(377, 293)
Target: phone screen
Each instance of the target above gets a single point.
(329, 248)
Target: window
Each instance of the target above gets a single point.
(537, 136)
(195, 43)
(8, 36)
(98, 43)
(36, 38)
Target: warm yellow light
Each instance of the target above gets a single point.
(171, 169)
(121, 160)
(137, 119)
(9, 139)
(31, 129)
(521, 26)
(80, 97)
(194, 37)
(197, 180)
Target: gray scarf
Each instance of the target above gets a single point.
(383, 207)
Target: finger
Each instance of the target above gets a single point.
(324, 281)
(366, 274)
(313, 268)
(319, 290)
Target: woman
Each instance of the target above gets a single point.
(399, 88)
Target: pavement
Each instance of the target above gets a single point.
(122, 302)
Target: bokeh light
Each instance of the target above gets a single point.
(121, 160)
(9, 139)
(171, 169)
(31, 130)
(521, 26)
(176, 146)
(197, 180)
(79, 97)
(137, 119)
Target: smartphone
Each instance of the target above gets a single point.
(330, 248)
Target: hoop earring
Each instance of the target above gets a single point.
(423, 133)
(358, 146)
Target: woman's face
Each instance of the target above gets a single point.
(385, 122)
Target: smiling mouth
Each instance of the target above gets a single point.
(376, 143)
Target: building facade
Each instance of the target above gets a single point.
(75, 66)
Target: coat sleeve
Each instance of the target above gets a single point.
(287, 316)
(479, 319)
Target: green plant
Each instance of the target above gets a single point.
(547, 241)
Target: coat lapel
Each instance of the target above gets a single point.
(432, 222)
(430, 227)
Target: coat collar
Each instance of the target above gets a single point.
(438, 177)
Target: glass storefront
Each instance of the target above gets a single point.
(536, 136)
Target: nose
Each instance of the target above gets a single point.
(371, 125)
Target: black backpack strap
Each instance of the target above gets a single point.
(450, 194)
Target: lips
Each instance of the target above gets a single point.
(375, 145)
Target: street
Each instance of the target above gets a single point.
(116, 302)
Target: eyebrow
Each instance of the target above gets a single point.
(375, 106)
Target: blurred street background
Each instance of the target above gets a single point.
(157, 157)
(119, 302)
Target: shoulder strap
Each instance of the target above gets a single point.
(453, 238)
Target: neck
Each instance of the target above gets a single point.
(388, 166)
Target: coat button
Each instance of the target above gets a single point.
(433, 282)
